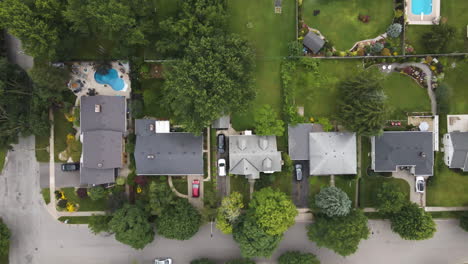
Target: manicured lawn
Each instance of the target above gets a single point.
(315, 184)
(278, 180)
(86, 204)
(46, 195)
(42, 142)
(345, 183)
(269, 34)
(152, 92)
(75, 219)
(338, 20)
(456, 80)
(240, 184)
(405, 95)
(348, 185)
(180, 184)
(455, 11)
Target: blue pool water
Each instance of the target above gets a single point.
(111, 78)
(421, 6)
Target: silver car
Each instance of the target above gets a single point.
(419, 184)
(163, 261)
(298, 172)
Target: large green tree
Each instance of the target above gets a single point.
(50, 83)
(267, 122)
(390, 199)
(413, 223)
(4, 238)
(99, 223)
(340, 234)
(297, 257)
(132, 227)
(240, 261)
(180, 221)
(229, 212)
(333, 201)
(437, 40)
(160, 197)
(273, 211)
(362, 104)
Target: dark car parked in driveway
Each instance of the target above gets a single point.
(70, 166)
(221, 143)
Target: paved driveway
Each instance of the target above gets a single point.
(300, 189)
(408, 177)
(62, 179)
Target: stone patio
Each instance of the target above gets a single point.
(457, 123)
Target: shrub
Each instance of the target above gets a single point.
(297, 257)
(4, 238)
(97, 193)
(62, 203)
(332, 201)
(464, 221)
(82, 193)
(141, 180)
(228, 212)
(389, 199)
(377, 47)
(180, 221)
(326, 124)
(438, 39)
(361, 52)
(240, 261)
(364, 18)
(131, 178)
(116, 201)
(58, 195)
(120, 180)
(99, 223)
(296, 49)
(413, 223)
(398, 13)
(394, 30)
(386, 52)
(202, 261)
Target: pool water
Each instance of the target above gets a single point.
(419, 7)
(111, 78)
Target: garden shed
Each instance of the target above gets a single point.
(313, 42)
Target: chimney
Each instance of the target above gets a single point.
(97, 108)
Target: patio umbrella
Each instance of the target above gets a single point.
(424, 126)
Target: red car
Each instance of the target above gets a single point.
(195, 188)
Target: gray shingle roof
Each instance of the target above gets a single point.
(313, 42)
(96, 176)
(111, 117)
(167, 153)
(404, 148)
(460, 150)
(298, 140)
(102, 149)
(222, 122)
(250, 154)
(332, 153)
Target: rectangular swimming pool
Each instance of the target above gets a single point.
(419, 7)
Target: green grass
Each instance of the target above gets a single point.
(348, 185)
(269, 35)
(240, 184)
(61, 129)
(3, 153)
(338, 20)
(447, 214)
(75, 219)
(405, 95)
(180, 184)
(278, 180)
(86, 204)
(153, 96)
(456, 80)
(316, 183)
(42, 142)
(4, 259)
(46, 195)
(455, 12)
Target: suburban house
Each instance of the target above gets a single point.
(158, 151)
(313, 42)
(456, 150)
(251, 154)
(103, 125)
(403, 149)
(327, 153)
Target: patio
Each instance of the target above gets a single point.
(457, 123)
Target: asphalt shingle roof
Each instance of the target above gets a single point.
(298, 140)
(313, 42)
(111, 117)
(460, 150)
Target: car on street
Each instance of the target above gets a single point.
(419, 184)
(163, 261)
(221, 143)
(298, 172)
(221, 167)
(195, 188)
(70, 166)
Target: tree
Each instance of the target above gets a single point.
(340, 234)
(97, 193)
(362, 104)
(202, 261)
(131, 226)
(464, 221)
(50, 83)
(229, 212)
(390, 199)
(253, 241)
(116, 201)
(333, 201)
(99, 223)
(180, 221)
(4, 238)
(326, 124)
(413, 223)
(297, 257)
(273, 210)
(240, 261)
(394, 30)
(296, 49)
(160, 197)
(267, 122)
(438, 39)
(215, 77)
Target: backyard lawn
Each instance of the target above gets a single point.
(338, 20)
(455, 11)
(269, 34)
(456, 80)
(86, 204)
(405, 95)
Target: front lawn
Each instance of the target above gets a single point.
(180, 184)
(42, 142)
(45, 192)
(63, 128)
(278, 180)
(338, 20)
(347, 183)
(86, 204)
(241, 185)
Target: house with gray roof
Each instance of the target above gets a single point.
(456, 150)
(103, 125)
(249, 155)
(313, 42)
(394, 149)
(158, 151)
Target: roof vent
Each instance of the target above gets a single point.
(97, 108)
(151, 127)
(423, 155)
(150, 156)
(99, 165)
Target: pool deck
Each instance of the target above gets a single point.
(432, 19)
(84, 72)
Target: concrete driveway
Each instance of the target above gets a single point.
(62, 179)
(419, 198)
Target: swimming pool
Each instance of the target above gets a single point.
(111, 78)
(419, 7)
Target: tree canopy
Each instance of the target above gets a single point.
(131, 226)
(413, 223)
(181, 221)
(267, 122)
(340, 234)
(160, 197)
(333, 201)
(439, 38)
(202, 261)
(389, 199)
(4, 238)
(464, 221)
(240, 261)
(362, 104)
(50, 83)
(99, 223)
(273, 210)
(229, 212)
(297, 257)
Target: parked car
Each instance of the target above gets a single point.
(420, 184)
(222, 167)
(163, 261)
(298, 172)
(221, 143)
(70, 166)
(195, 188)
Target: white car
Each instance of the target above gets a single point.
(163, 261)
(222, 167)
(420, 184)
